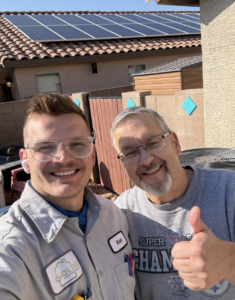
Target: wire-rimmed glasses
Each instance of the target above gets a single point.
(151, 145)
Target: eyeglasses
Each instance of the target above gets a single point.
(46, 150)
(152, 145)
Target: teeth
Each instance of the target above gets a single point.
(65, 173)
(153, 170)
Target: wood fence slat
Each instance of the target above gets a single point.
(106, 162)
(112, 172)
(125, 178)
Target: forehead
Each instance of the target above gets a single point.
(41, 127)
(136, 130)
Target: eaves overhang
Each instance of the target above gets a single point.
(195, 3)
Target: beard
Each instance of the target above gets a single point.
(157, 189)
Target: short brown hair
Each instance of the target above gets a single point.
(52, 105)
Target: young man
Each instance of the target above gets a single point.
(163, 213)
(60, 240)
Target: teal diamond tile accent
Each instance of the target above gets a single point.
(77, 102)
(130, 103)
(188, 105)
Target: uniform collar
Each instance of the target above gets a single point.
(48, 220)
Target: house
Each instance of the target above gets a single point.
(35, 57)
(218, 52)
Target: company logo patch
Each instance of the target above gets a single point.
(117, 242)
(63, 271)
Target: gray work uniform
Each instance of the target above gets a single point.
(35, 237)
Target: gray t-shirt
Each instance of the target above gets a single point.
(154, 229)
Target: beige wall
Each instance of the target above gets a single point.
(189, 128)
(78, 77)
(12, 116)
(218, 31)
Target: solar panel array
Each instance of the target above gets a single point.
(61, 27)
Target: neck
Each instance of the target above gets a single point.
(179, 187)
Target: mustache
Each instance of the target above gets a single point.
(147, 168)
(71, 165)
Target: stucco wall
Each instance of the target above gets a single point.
(189, 128)
(78, 77)
(218, 32)
(12, 116)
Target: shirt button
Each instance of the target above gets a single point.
(101, 273)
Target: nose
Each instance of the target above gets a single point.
(63, 153)
(145, 157)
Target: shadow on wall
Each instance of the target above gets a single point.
(215, 9)
(105, 176)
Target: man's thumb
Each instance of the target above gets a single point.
(195, 220)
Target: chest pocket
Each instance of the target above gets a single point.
(126, 282)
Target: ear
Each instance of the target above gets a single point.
(176, 143)
(93, 155)
(24, 160)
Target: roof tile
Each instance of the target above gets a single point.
(16, 46)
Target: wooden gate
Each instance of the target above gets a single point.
(112, 172)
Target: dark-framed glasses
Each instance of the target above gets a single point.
(46, 150)
(151, 145)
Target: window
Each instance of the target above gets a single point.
(49, 83)
(135, 69)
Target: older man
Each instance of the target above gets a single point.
(163, 213)
(60, 241)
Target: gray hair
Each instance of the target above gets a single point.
(129, 113)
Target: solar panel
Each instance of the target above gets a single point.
(48, 20)
(194, 16)
(186, 17)
(122, 31)
(96, 32)
(40, 33)
(133, 18)
(166, 29)
(21, 20)
(73, 19)
(148, 17)
(69, 32)
(57, 27)
(118, 19)
(144, 30)
(185, 28)
(96, 19)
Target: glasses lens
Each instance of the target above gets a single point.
(80, 147)
(44, 150)
(130, 156)
(154, 144)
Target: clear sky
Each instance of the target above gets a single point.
(84, 5)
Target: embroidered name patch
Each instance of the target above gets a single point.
(117, 242)
(63, 271)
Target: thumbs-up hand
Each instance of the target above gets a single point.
(203, 261)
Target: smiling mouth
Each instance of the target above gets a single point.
(67, 173)
(151, 171)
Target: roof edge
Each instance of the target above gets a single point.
(91, 12)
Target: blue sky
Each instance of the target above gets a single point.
(91, 5)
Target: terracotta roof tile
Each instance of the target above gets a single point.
(16, 46)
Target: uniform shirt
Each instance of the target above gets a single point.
(45, 255)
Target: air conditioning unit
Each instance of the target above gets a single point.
(214, 158)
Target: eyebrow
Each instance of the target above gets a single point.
(129, 147)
